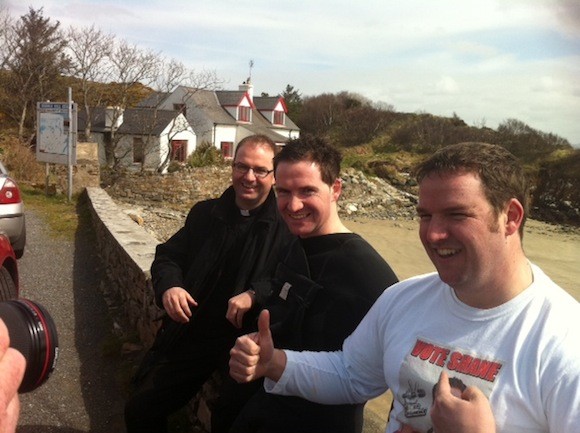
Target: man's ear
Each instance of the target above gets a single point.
(336, 189)
(515, 216)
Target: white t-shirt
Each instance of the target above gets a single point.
(524, 355)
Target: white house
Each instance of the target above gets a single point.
(224, 117)
(140, 137)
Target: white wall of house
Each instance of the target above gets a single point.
(176, 130)
(225, 134)
(124, 149)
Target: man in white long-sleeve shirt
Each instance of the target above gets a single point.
(488, 343)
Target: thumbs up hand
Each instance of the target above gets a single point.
(465, 411)
(254, 356)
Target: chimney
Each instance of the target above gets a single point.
(113, 114)
(247, 86)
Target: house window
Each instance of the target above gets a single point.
(244, 114)
(278, 118)
(138, 150)
(181, 108)
(227, 148)
(178, 150)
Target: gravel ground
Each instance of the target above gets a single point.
(83, 394)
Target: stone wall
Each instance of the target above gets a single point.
(178, 190)
(127, 252)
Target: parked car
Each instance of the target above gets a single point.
(12, 220)
(8, 270)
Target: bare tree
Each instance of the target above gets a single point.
(129, 65)
(89, 50)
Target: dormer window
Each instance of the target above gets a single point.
(278, 118)
(244, 114)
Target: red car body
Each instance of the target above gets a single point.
(8, 270)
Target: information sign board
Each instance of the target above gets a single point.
(55, 121)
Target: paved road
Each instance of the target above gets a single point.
(83, 394)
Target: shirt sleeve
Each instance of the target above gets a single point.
(353, 375)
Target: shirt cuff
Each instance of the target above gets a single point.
(279, 387)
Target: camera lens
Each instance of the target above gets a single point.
(33, 333)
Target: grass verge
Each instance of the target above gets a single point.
(61, 215)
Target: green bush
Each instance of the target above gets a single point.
(205, 155)
(173, 166)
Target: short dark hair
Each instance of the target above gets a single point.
(500, 172)
(256, 139)
(314, 149)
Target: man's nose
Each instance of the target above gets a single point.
(294, 203)
(250, 175)
(436, 230)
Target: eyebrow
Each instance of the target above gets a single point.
(259, 167)
(451, 209)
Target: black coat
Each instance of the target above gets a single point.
(197, 255)
(190, 256)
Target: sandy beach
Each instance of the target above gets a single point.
(554, 249)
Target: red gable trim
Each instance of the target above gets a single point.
(247, 96)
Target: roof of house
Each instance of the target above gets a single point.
(207, 100)
(261, 125)
(145, 122)
(136, 121)
(268, 102)
(153, 100)
(229, 98)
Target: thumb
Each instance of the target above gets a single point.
(443, 386)
(264, 326)
(472, 393)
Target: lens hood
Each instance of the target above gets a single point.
(33, 333)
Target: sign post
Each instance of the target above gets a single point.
(56, 134)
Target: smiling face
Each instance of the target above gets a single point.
(252, 191)
(307, 204)
(464, 238)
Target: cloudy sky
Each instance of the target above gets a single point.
(485, 60)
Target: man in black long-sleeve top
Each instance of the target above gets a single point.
(321, 290)
(201, 279)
